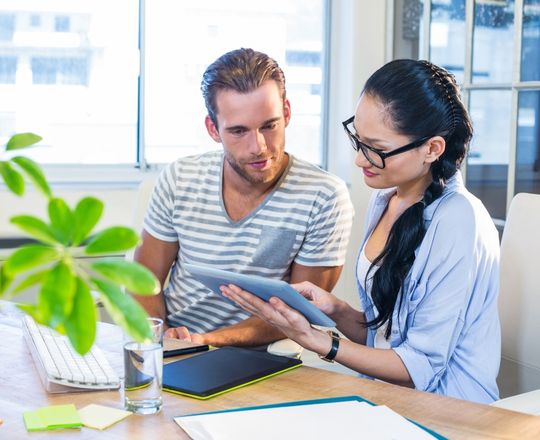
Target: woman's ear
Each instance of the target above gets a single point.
(436, 146)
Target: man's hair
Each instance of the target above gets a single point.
(241, 70)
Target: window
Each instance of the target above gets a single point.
(35, 20)
(8, 68)
(59, 70)
(74, 75)
(76, 80)
(61, 23)
(7, 26)
(183, 38)
(493, 48)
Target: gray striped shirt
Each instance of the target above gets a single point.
(305, 219)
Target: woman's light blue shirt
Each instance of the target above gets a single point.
(447, 330)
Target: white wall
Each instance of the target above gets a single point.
(359, 43)
(119, 206)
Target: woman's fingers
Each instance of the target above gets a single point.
(252, 304)
(244, 299)
(290, 315)
(305, 288)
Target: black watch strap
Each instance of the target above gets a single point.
(334, 349)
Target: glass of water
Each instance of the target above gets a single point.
(143, 371)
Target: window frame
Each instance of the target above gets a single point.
(515, 86)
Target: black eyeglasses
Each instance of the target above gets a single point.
(374, 156)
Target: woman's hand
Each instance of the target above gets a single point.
(322, 299)
(276, 313)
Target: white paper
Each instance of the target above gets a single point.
(343, 420)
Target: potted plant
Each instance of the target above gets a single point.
(52, 263)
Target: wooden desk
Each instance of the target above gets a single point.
(21, 390)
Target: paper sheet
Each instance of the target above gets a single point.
(320, 421)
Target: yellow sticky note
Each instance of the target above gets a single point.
(101, 417)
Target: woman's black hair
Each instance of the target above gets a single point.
(420, 100)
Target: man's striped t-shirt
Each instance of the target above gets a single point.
(305, 219)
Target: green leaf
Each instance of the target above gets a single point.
(5, 280)
(114, 239)
(12, 178)
(32, 310)
(62, 219)
(34, 173)
(32, 280)
(28, 257)
(133, 276)
(125, 311)
(56, 295)
(35, 227)
(87, 213)
(22, 140)
(81, 323)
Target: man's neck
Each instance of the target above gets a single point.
(235, 183)
(241, 197)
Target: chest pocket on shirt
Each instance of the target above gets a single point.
(274, 249)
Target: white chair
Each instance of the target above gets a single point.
(143, 197)
(519, 306)
(141, 205)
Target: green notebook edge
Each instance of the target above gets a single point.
(312, 402)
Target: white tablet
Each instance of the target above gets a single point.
(264, 288)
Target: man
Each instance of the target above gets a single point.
(252, 208)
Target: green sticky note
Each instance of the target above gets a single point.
(52, 417)
(33, 421)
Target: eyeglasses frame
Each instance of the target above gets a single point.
(359, 145)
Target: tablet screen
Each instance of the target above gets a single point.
(264, 288)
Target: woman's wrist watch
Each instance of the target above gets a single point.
(333, 349)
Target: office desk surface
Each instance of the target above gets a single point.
(21, 390)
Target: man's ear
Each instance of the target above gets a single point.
(436, 146)
(212, 129)
(287, 111)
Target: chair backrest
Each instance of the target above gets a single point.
(143, 197)
(141, 205)
(519, 303)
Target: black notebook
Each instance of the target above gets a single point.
(221, 370)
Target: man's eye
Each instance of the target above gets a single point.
(270, 126)
(238, 131)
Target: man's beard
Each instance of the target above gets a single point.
(242, 172)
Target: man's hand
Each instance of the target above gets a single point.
(183, 334)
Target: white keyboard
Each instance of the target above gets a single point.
(61, 368)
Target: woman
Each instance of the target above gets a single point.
(427, 270)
